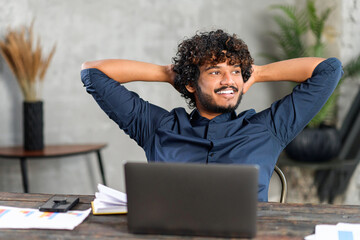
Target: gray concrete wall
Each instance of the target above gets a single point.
(87, 30)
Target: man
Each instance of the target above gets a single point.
(212, 71)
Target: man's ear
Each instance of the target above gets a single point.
(190, 88)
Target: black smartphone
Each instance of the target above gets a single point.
(59, 204)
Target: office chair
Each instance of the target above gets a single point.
(282, 178)
(334, 182)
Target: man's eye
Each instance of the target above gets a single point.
(215, 73)
(237, 72)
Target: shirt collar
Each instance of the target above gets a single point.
(196, 119)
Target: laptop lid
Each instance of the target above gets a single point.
(192, 199)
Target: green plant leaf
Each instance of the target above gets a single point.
(352, 68)
(292, 26)
(323, 114)
(316, 22)
(290, 11)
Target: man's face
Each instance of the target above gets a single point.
(219, 89)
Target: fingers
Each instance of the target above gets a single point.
(248, 84)
(170, 73)
(246, 88)
(251, 80)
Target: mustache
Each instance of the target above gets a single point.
(226, 87)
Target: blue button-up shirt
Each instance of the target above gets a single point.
(247, 138)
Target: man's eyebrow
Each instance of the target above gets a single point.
(217, 67)
(212, 67)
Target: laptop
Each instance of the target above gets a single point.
(218, 200)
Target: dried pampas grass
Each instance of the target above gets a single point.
(26, 61)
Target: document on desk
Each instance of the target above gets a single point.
(341, 231)
(25, 218)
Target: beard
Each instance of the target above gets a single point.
(209, 104)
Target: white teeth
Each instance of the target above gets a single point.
(226, 92)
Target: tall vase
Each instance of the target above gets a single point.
(33, 125)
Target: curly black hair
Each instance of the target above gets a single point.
(208, 48)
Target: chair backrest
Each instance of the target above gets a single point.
(279, 177)
(350, 131)
(336, 181)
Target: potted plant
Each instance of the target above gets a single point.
(319, 141)
(25, 59)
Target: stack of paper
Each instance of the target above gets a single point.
(12, 217)
(341, 231)
(109, 201)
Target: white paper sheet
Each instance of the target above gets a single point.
(112, 194)
(341, 231)
(326, 232)
(23, 218)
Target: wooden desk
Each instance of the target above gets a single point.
(51, 151)
(275, 221)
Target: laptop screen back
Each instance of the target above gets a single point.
(192, 199)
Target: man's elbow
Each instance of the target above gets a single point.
(87, 65)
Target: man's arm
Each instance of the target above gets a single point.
(137, 117)
(124, 71)
(288, 116)
(295, 70)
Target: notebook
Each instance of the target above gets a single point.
(218, 200)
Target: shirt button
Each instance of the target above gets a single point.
(211, 154)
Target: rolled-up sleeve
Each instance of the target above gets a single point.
(138, 118)
(288, 116)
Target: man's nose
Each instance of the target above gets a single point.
(227, 79)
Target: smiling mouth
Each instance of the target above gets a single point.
(226, 90)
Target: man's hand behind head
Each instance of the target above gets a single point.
(170, 72)
(251, 80)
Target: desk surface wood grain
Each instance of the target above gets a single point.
(275, 220)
